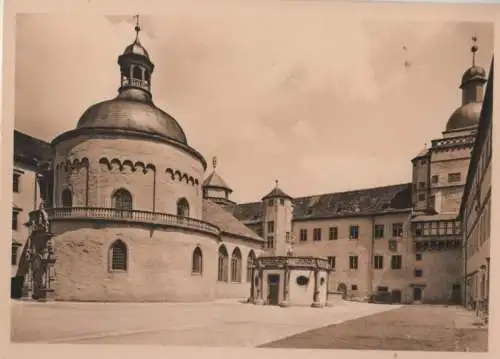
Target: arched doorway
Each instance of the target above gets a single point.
(396, 296)
(417, 294)
(342, 288)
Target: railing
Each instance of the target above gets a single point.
(113, 214)
(291, 261)
(135, 83)
(453, 141)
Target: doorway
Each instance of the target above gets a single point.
(456, 294)
(342, 288)
(16, 287)
(396, 296)
(273, 285)
(417, 294)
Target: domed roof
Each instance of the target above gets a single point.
(127, 112)
(473, 73)
(136, 48)
(464, 116)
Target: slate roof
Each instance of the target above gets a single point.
(227, 223)
(27, 149)
(342, 204)
(214, 180)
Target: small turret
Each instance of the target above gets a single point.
(216, 189)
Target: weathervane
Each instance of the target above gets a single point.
(474, 49)
(137, 27)
(214, 162)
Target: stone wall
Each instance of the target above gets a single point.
(93, 168)
(159, 263)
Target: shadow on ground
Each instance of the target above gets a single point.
(423, 328)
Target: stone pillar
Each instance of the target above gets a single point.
(316, 303)
(260, 299)
(286, 288)
(328, 303)
(251, 299)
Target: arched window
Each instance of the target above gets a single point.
(197, 261)
(137, 73)
(122, 200)
(236, 265)
(182, 208)
(118, 256)
(250, 263)
(222, 272)
(67, 198)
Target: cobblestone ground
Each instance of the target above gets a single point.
(423, 328)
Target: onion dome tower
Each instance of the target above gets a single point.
(473, 80)
(133, 109)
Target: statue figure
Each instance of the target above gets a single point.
(42, 219)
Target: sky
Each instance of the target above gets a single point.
(321, 102)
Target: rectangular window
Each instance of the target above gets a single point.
(303, 235)
(397, 230)
(353, 262)
(418, 256)
(270, 242)
(454, 177)
(382, 289)
(353, 232)
(421, 184)
(331, 261)
(334, 233)
(421, 197)
(354, 287)
(378, 262)
(396, 262)
(282, 202)
(15, 182)
(432, 201)
(379, 231)
(15, 223)
(271, 203)
(418, 229)
(15, 248)
(418, 272)
(270, 227)
(317, 234)
(435, 179)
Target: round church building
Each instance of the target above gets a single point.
(129, 218)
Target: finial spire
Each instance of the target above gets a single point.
(474, 49)
(214, 162)
(276, 181)
(137, 27)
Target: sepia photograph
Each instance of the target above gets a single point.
(264, 176)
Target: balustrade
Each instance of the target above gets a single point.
(131, 215)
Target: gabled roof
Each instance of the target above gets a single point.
(28, 149)
(216, 181)
(368, 201)
(227, 223)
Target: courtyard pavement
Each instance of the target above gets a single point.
(220, 323)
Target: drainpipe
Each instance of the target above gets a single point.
(370, 268)
(464, 236)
